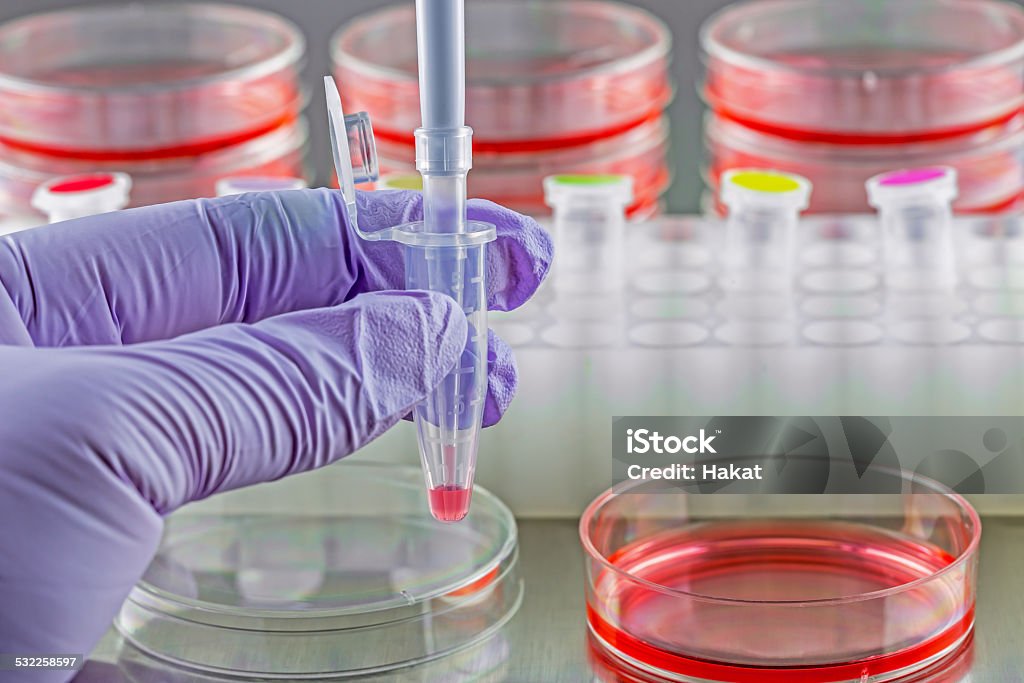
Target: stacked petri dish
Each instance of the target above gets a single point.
(568, 87)
(840, 92)
(176, 95)
(684, 585)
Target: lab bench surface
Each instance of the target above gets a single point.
(546, 641)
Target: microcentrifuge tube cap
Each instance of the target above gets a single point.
(351, 140)
(937, 184)
(616, 190)
(242, 184)
(746, 187)
(68, 197)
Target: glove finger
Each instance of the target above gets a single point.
(502, 378)
(517, 261)
(243, 404)
(12, 330)
(99, 442)
(162, 271)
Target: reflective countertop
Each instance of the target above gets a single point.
(546, 641)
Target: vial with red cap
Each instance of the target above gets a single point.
(68, 197)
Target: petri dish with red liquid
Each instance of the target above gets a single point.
(989, 163)
(340, 572)
(146, 81)
(756, 588)
(279, 153)
(865, 72)
(573, 87)
(516, 179)
(538, 75)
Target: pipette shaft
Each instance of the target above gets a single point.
(452, 261)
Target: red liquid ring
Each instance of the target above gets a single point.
(449, 503)
(83, 183)
(773, 563)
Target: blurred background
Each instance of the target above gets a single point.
(606, 120)
(318, 19)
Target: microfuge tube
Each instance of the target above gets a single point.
(77, 196)
(590, 231)
(915, 209)
(761, 228)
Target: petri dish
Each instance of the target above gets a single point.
(758, 588)
(538, 75)
(147, 81)
(608, 669)
(866, 72)
(515, 178)
(336, 573)
(279, 153)
(988, 163)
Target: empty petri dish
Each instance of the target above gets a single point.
(855, 587)
(339, 572)
(669, 334)
(170, 80)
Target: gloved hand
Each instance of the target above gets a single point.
(156, 356)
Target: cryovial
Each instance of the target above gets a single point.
(761, 229)
(589, 231)
(68, 197)
(915, 209)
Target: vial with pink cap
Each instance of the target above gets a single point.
(915, 209)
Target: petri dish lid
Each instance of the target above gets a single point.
(334, 573)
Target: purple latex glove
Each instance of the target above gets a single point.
(156, 356)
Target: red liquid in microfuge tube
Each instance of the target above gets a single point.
(449, 503)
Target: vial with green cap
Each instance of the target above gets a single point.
(589, 231)
(915, 209)
(764, 210)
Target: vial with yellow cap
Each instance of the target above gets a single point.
(763, 216)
